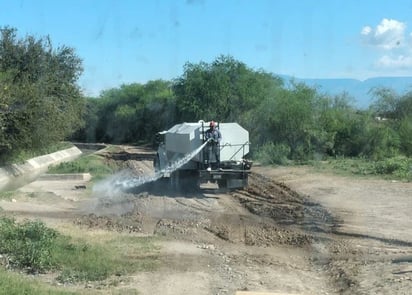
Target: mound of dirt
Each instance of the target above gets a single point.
(130, 222)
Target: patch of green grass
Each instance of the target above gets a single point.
(271, 153)
(399, 168)
(33, 247)
(93, 164)
(360, 167)
(15, 284)
(27, 245)
(84, 262)
(7, 195)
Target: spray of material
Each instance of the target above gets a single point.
(122, 181)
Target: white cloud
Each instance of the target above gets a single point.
(398, 62)
(366, 30)
(389, 34)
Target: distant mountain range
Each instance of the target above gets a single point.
(357, 89)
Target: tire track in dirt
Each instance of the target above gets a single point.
(300, 222)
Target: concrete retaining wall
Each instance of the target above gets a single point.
(32, 168)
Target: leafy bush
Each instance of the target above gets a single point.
(356, 166)
(271, 153)
(28, 245)
(400, 167)
(36, 248)
(6, 195)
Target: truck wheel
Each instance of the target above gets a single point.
(175, 180)
(185, 181)
(191, 183)
(156, 163)
(222, 183)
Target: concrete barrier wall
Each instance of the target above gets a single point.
(34, 167)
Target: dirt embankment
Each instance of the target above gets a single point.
(290, 231)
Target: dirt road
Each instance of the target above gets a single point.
(291, 231)
(374, 225)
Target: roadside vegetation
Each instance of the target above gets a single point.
(6, 195)
(289, 122)
(24, 155)
(15, 284)
(93, 164)
(395, 168)
(32, 247)
(40, 101)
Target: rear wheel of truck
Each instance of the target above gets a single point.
(156, 163)
(222, 183)
(185, 180)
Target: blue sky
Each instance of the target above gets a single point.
(140, 40)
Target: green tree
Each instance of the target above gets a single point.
(134, 112)
(333, 116)
(394, 112)
(224, 90)
(117, 113)
(385, 103)
(405, 135)
(40, 102)
(288, 117)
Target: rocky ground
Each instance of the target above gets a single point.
(291, 231)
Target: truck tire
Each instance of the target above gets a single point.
(175, 181)
(222, 183)
(184, 181)
(156, 163)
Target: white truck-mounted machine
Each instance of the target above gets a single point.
(186, 144)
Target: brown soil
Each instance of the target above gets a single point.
(291, 231)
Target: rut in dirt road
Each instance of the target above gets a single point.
(266, 197)
(302, 223)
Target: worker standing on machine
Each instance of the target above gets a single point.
(213, 136)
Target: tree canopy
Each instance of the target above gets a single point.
(40, 102)
(292, 121)
(129, 114)
(225, 89)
